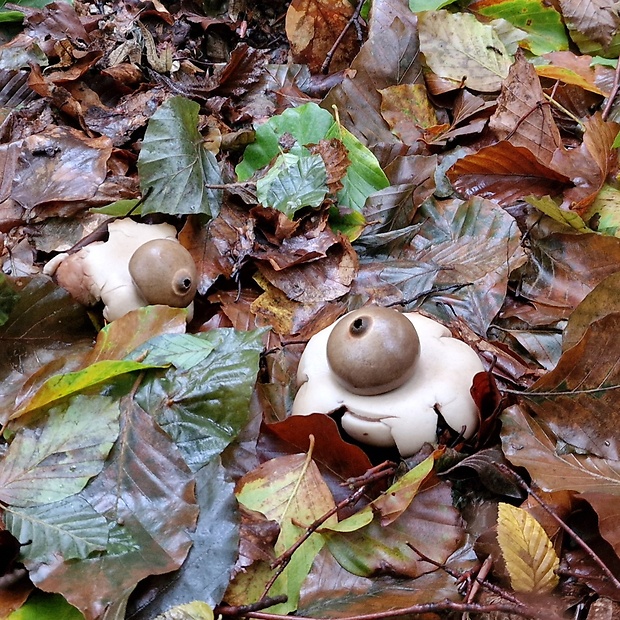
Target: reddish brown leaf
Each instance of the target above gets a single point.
(598, 20)
(312, 27)
(589, 165)
(505, 173)
(523, 117)
(336, 159)
(579, 398)
(337, 460)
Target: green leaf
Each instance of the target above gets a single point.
(44, 606)
(61, 386)
(147, 492)
(174, 164)
(71, 528)
(290, 491)
(549, 207)
(364, 175)
(308, 124)
(546, 31)
(293, 182)
(204, 408)
(183, 351)
(120, 208)
(57, 454)
(475, 52)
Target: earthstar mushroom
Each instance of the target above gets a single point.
(164, 270)
(438, 378)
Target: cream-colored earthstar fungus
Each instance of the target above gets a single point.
(139, 265)
(392, 372)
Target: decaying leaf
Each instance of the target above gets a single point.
(458, 47)
(527, 550)
(312, 27)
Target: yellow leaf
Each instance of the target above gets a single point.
(527, 550)
(196, 610)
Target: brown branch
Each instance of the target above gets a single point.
(332, 51)
(612, 93)
(580, 541)
(243, 610)
(423, 608)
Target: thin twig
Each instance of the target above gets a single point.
(242, 610)
(612, 93)
(332, 51)
(423, 608)
(580, 541)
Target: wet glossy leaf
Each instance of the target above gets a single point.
(527, 444)
(215, 542)
(183, 351)
(70, 528)
(293, 182)
(174, 164)
(204, 408)
(44, 323)
(57, 454)
(290, 491)
(457, 46)
(65, 385)
(8, 299)
(527, 550)
(41, 606)
(429, 524)
(147, 491)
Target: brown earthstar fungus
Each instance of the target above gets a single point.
(139, 265)
(392, 378)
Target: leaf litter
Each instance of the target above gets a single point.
(457, 161)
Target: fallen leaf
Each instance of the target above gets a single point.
(523, 116)
(312, 27)
(578, 398)
(457, 46)
(527, 550)
(505, 173)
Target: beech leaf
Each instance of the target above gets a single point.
(204, 407)
(290, 491)
(174, 165)
(458, 47)
(70, 528)
(51, 459)
(293, 182)
(526, 550)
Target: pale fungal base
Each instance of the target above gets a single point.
(406, 416)
(101, 269)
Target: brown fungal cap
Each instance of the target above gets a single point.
(164, 272)
(373, 350)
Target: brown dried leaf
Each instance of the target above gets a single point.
(336, 159)
(579, 398)
(598, 20)
(312, 27)
(523, 117)
(407, 109)
(589, 164)
(563, 268)
(390, 56)
(505, 173)
(321, 280)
